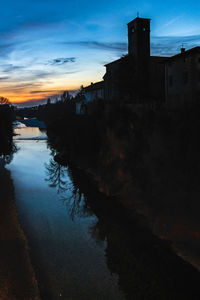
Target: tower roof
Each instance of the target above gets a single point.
(138, 19)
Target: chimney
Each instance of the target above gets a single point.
(182, 50)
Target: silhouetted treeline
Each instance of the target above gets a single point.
(55, 111)
(28, 112)
(6, 130)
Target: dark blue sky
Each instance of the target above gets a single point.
(49, 46)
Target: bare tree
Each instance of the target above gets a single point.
(4, 100)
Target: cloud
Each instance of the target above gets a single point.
(172, 21)
(71, 72)
(4, 78)
(36, 25)
(23, 86)
(168, 46)
(61, 61)
(39, 92)
(34, 76)
(40, 74)
(106, 46)
(10, 68)
(115, 46)
(6, 49)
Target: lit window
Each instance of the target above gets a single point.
(144, 29)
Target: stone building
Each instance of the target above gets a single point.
(95, 91)
(141, 78)
(144, 77)
(182, 74)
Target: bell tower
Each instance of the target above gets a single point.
(139, 38)
(139, 50)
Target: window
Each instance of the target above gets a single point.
(170, 80)
(144, 29)
(132, 29)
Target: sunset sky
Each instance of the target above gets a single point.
(48, 46)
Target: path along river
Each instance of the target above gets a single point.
(79, 247)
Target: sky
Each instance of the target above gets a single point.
(49, 46)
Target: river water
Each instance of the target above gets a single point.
(80, 246)
(70, 264)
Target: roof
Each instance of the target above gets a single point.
(184, 54)
(113, 62)
(159, 59)
(138, 18)
(94, 86)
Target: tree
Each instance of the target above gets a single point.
(81, 95)
(66, 97)
(4, 100)
(48, 101)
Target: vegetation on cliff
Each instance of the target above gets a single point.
(152, 153)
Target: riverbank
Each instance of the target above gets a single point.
(17, 278)
(148, 160)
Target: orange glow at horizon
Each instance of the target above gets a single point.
(19, 94)
(27, 96)
(24, 96)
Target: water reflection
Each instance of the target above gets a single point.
(67, 260)
(29, 133)
(6, 156)
(89, 248)
(145, 266)
(57, 176)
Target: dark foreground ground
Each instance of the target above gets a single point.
(17, 279)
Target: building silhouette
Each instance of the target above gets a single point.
(139, 78)
(146, 76)
(182, 74)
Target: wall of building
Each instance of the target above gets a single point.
(94, 94)
(81, 108)
(111, 91)
(182, 75)
(157, 79)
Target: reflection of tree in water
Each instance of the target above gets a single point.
(7, 156)
(58, 176)
(145, 266)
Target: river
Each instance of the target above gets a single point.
(70, 263)
(80, 247)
